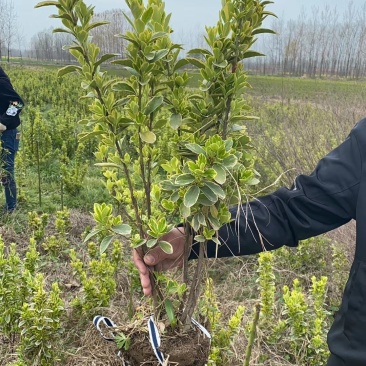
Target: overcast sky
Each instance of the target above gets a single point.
(186, 14)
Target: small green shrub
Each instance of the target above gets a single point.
(37, 224)
(222, 334)
(340, 271)
(15, 278)
(98, 282)
(73, 171)
(310, 256)
(267, 288)
(302, 324)
(41, 326)
(57, 244)
(296, 325)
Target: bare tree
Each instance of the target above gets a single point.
(106, 36)
(317, 44)
(48, 46)
(2, 25)
(8, 26)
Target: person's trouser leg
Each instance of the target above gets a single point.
(335, 361)
(10, 145)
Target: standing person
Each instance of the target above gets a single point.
(10, 107)
(332, 195)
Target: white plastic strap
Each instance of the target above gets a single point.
(153, 335)
(201, 328)
(155, 339)
(109, 324)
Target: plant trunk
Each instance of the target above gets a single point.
(195, 288)
(253, 331)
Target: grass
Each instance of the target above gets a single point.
(311, 90)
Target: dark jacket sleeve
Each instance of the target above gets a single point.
(11, 104)
(317, 203)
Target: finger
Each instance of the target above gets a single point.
(144, 273)
(154, 256)
(139, 263)
(146, 284)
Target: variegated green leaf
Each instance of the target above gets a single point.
(191, 196)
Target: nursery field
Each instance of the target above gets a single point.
(43, 242)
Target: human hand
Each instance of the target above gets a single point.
(157, 258)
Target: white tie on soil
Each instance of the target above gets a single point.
(154, 335)
(110, 326)
(155, 339)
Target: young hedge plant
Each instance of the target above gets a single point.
(169, 154)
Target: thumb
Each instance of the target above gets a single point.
(154, 256)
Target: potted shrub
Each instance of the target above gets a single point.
(170, 154)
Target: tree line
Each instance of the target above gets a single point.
(322, 43)
(48, 46)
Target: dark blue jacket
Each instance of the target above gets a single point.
(10, 103)
(332, 195)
